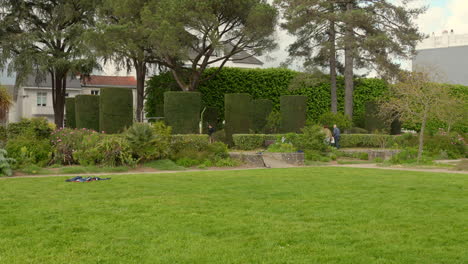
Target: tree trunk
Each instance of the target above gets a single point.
(334, 100)
(349, 65)
(421, 137)
(140, 68)
(59, 81)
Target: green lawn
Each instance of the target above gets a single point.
(300, 215)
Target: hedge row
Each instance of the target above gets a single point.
(111, 112)
(87, 111)
(293, 113)
(182, 111)
(237, 114)
(252, 141)
(116, 111)
(270, 84)
(70, 113)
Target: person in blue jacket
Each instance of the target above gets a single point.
(336, 136)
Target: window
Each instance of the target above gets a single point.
(41, 98)
(95, 92)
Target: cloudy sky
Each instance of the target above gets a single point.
(440, 15)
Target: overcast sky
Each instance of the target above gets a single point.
(441, 15)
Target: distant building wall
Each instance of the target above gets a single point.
(451, 62)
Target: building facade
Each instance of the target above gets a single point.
(447, 55)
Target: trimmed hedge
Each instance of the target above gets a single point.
(293, 113)
(368, 140)
(116, 109)
(237, 114)
(248, 141)
(87, 111)
(261, 109)
(198, 142)
(271, 84)
(182, 111)
(70, 117)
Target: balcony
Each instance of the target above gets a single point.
(42, 110)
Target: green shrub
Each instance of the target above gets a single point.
(364, 156)
(293, 113)
(148, 141)
(182, 111)
(188, 162)
(313, 138)
(116, 109)
(261, 110)
(86, 152)
(219, 136)
(357, 130)
(28, 150)
(408, 156)
(248, 141)
(217, 150)
(453, 145)
(237, 114)
(273, 124)
(87, 111)
(367, 140)
(65, 142)
(281, 147)
(6, 163)
(197, 142)
(70, 118)
(37, 127)
(110, 150)
(329, 119)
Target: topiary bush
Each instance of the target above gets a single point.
(237, 114)
(116, 109)
(293, 113)
(182, 111)
(261, 110)
(70, 118)
(87, 111)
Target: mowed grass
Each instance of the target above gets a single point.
(299, 215)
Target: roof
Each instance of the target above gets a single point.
(33, 81)
(109, 81)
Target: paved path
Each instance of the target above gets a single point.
(363, 166)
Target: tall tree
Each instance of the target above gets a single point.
(44, 37)
(121, 37)
(191, 36)
(314, 24)
(371, 34)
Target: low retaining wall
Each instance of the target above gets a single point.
(253, 159)
(296, 159)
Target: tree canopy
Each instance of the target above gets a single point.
(191, 36)
(43, 37)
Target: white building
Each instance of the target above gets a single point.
(446, 54)
(34, 97)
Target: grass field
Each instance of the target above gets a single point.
(300, 215)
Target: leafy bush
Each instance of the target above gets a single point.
(149, 141)
(219, 136)
(5, 163)
(111, 150)
(66, 141)
(453, 145)
(37, 127)
(197, 142)
(273, 124)
(329, 119)
(281, 147)
(357, 130)
(313, 138)
(408, 156)
(29, 150)
(368, 140)
(248, 141)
